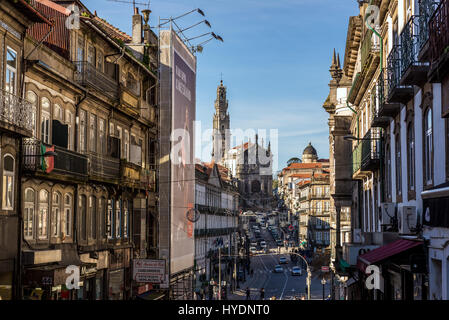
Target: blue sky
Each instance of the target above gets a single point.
(275, 60)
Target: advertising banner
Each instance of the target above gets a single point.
(149, 270)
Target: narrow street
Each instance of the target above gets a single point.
(283, 286)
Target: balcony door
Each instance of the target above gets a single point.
(11, 71)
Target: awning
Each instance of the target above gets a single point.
(385, 252)
(151, 295)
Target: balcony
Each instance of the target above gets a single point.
(438, 42)
(104, 168)
(131, 174)
(397, 92)
(16, 114)
(370, 51)
(385, 108)
(68, 164)
(366, 156)
(87, 75)
(413, 72)
(426, 10)
(376, 104)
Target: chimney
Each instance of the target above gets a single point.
(137, 30)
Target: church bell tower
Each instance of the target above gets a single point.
(221, 136)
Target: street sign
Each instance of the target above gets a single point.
(149, 270)
(290, 227)
(324, 269)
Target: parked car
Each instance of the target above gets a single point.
(278, 269)
(283, 260)
(296, 271)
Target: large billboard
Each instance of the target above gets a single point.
(178, 96)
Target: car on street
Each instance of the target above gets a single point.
(283, 260)
(279, 243)
(253, 250)
(263, 244)
(296, 271)
(278, 268)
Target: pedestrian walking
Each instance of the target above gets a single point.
(248, 294)
(262, 294)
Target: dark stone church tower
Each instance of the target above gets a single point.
(221, 126)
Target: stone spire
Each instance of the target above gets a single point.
(335, 69)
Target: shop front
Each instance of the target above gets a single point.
(401, 271)
(119, 274)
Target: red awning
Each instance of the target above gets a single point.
(385, 252)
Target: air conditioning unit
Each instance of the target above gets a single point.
(357, 236)
(407, 219)
(387, 213)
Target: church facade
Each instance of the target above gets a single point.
(250, 164)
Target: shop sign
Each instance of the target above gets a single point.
(149, 270)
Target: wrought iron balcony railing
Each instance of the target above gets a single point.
(16, 111)
(88, 75)
(66, 162)
(409, 44)
(370, 47)
(366, 155)
(394, 68)
(439, 30)
(104, 167)
(426, 10)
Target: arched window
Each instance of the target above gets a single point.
(428, 147)
(28, 214)
(45, 120)
(67, 220)
(43, 214)
(32, 97)
(118, 219)
(56, 215)
(93, 217)
(8, 182)
(125, 218)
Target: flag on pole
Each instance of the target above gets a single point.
(48, 163)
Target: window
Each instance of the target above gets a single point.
(93, 133)
(80, 49)
(110, 219)
(91, 58)
(102, 136)
(428, 147)
(319, 207)
(411, 157)
(125, 218)
(28, 215)
(93, 217)
(83, 218)
(119, 135)
(102, 221)
(69, 122)
(67, 220)
(45, 120)
(11, 71)
(56, 215)
(32, 97)
(8, 183)
(398, 165)
(118, 218)
(83, 131)
(126, 145)
(43, 214)
(100, 59)
(388, 171)
(58, 112)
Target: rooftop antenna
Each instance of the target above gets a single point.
(134, 3)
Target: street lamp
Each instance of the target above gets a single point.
(323, 282)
